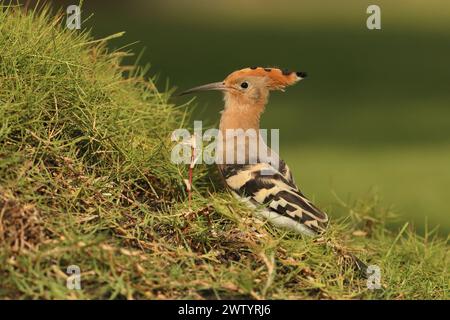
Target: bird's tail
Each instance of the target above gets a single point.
(360, 266)
(357, 263)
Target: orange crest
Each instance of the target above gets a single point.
(277, 79)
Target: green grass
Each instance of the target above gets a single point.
(86, 179)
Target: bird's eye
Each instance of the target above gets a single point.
(244, 85)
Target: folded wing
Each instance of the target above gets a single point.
(262, 184)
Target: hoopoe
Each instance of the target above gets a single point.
(268, 188)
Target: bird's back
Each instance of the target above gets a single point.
(277, 198)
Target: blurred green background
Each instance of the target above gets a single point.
(374, 113)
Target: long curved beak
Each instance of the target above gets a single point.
(219, 86)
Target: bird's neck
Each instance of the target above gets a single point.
(239, 127)
(241, 116)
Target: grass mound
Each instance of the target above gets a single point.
(86, 180)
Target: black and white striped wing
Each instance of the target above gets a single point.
(285, 205)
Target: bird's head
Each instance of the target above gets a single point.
(251, 86)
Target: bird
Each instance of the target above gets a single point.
(266, 186)
(269, 188)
